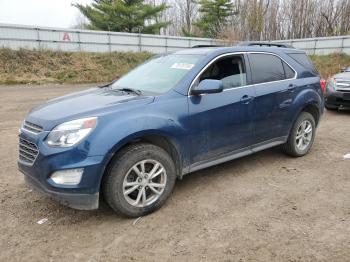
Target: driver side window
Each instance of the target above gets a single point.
(230, 70)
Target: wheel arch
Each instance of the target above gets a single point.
(312, 108)
(161, 140)
(309, 101)
(306, 101)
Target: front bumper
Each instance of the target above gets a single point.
(337, 98)
(84, 195)
(73, 200)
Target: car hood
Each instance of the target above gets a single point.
(345, 75)
(91, 102)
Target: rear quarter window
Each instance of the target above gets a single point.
(302, 59)
(266, 68)
(288, 71)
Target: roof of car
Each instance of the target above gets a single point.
(231, 49)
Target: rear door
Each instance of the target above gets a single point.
(275, 90)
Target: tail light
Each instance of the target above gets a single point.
(323, 85)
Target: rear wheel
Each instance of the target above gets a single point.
(139, 180)
(301, 136)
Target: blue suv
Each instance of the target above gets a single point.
(176, 113)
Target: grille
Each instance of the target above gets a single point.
(32, 127)
(28, 151)
(343, 85)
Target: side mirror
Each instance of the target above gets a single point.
(208, 86)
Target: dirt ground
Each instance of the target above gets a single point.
(265, 207)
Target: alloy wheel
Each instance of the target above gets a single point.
(144, 183)
(304, 135)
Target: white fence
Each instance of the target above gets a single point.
(321, 45)
(18, 36)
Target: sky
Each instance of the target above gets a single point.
(51, 13)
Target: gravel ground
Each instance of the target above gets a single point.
(266, 207)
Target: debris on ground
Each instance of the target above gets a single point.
(289, 169)
(42, 221)
(136, 220)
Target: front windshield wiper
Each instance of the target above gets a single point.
(123, 89)
(108, 84)
(129, 90)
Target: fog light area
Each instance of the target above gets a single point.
(68, 177)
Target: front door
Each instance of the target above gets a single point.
(221, 123)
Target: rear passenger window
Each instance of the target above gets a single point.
(266, 68)
(289, 72)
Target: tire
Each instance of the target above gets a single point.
(126, 169)
(294, 147)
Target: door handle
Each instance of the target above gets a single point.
(291, 88)
(246, 99)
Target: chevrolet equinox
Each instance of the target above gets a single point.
(129, 140)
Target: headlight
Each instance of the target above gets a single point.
(70, 133)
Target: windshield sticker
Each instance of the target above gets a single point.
(183, 66)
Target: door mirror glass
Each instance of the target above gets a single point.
(208, 86)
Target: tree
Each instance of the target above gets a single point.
(188, 11)
(182, 14)
(214, 16)
(131, 16)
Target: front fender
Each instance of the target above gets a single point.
(113, 135)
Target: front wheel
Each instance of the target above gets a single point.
(139, 180)
(301, 136)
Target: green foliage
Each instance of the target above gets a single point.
(328, 65)
(215, 16)
(131, 16)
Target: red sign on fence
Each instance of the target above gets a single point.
(66, 37)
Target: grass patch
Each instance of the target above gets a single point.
(329, 65)
(44, 66)
(37, 67)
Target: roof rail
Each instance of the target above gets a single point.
(265, 44)
(201, 46)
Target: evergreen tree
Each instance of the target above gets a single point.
(131, 16)
(215, 16)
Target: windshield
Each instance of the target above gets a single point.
(159, 74)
